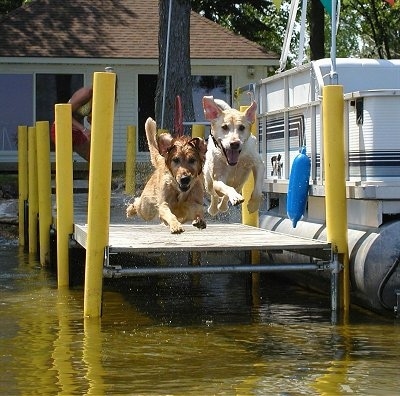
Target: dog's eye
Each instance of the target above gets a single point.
(191, 160)
(241, 127)
(225, 127)
(176, 160)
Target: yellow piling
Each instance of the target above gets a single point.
(198, 130)
(44, 189)
(251, 219)
(22, 180)
(64, 190)
(99, 189)
(335, 181)
(130, 167)
(33, 208)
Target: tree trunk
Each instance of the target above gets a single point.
(177, 77)
(317, 34)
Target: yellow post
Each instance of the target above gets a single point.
(251, 219)
(22, 180)
(198, 130)
(33, 191)
(130, 167)
(44, 189)
(64, 190)
(99, 189)
(335, 180)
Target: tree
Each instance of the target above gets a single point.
(174, 75)
(257, 20)
(378, 27)
(316, 21)
(8, 5)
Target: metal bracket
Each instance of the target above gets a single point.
(112, 271)
(336, 266)
(107, 254)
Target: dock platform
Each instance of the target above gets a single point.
(216, 237)
(232, 238)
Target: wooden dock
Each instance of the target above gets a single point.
(216, 237)
(143, 239)
(132, 242)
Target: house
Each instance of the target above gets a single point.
(49, 48)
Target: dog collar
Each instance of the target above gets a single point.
(216, 143)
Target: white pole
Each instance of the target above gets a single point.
(302, 32)
(333, 74)
(288, 36)
(166, 64)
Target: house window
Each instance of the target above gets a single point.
(217, 86)
(16, 107)
(52, 89)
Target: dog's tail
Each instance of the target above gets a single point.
(151, 134)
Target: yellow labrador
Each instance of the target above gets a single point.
(232, 153)
(175, 190)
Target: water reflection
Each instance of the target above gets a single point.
(181, 335)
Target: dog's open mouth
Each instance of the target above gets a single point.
(232, 156)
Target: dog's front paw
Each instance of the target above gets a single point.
(199, 223)
(176, 228)
(131, 210)
(254, 204)
(236, 199)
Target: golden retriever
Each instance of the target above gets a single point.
(175, 189)
(232, 153)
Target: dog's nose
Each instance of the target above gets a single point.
(185, 180)
(235, 145)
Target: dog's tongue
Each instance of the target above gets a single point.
(232, 156)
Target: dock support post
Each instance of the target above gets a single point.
(198, 131)
(33, 191)
(99, 189)
(130, 166)
(251, 219)
(22, 180)
(64, 189)
(44, 189)
(335, 182)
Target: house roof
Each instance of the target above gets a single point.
(110, 29)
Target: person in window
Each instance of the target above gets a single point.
(81, 106)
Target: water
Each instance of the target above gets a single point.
(185, 335)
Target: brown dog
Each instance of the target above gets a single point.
(232, 153)
(175, 190)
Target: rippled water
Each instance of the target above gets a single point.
(185, 335)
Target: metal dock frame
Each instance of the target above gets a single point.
(144, 239)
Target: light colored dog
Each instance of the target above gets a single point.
(175, 190)
(232, 154)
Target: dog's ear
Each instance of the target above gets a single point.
(199, 144)
(251, 112)
(211, 109)
(164, 143)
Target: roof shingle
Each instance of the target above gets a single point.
(110, 29)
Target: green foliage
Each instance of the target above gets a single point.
(367, 28)
(8, 5)
(376, 25)
(258, 20)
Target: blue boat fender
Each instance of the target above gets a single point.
(298, 186)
